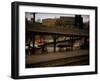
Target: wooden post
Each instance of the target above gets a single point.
(54, 43)
(72, 41)
(33, 39)
(29, 49)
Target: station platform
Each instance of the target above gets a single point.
(58, 58)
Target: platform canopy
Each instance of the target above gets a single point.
(68, 30)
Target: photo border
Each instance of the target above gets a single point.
(15, 39)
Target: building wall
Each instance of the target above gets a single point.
(49, 22)
(67, 20)
(62, 21)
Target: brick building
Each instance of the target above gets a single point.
(62, 21)
(49, 22)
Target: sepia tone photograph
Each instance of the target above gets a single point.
(56, 40)
(52, 40)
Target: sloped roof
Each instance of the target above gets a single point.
(68, 30)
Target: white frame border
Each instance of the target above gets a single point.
(53, 70)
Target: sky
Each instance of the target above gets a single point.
(40, 16)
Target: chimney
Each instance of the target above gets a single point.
(33, 17)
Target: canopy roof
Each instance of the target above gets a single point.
(68, 30)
